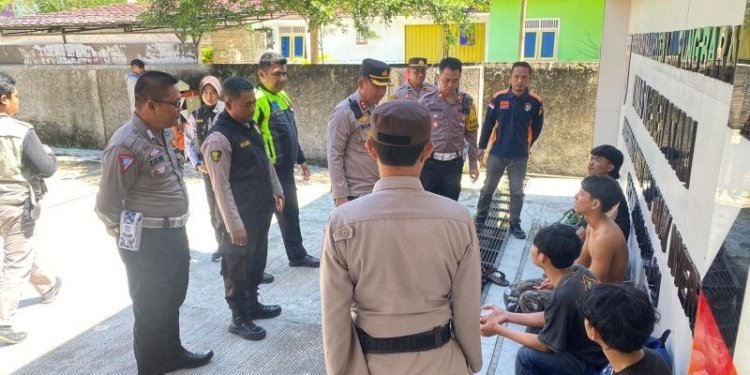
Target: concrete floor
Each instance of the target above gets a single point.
(88, 329)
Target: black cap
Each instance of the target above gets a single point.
(401, 123)
(417, 62)
(377, 71)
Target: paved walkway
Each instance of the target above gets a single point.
(88, 329)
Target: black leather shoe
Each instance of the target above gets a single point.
(517, 232)
(306, 261)
(10, 337)
(258, 310)
(188, 359)
(267, 278)
(216, 257)
(246, 329)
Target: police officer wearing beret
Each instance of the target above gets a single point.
(247, 193)
(353, 171)
(142, 175)
(400, 274)
(415, 87)
(454, 126)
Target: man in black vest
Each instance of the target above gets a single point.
(247, 192)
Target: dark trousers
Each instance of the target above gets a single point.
(289, 218)
(216, 221)
(443, 177)
(242, 266)
(158, 281)
(516, 173)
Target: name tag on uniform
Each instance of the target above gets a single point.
(131, 223)
(504, 104)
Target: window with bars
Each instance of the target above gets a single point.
(540, 38)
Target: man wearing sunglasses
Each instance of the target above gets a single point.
(143, 202)
(415, 87)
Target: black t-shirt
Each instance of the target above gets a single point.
(563, 329)
(650, 364)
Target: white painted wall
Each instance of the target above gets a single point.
(702, 218)
(340, 42)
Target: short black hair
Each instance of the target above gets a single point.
(560, 243)
(451, 63)
(520, 64)
(622, 314)
(7, 84)
(137, 62)
(271, 58)
(398, 156)
(603, 188)
(233, 87)
(612, 154)
(152, 84)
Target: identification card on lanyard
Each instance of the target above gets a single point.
(131, 223)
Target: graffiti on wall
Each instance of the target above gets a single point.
(97, 54)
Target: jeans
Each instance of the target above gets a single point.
(533, 362)
(516, 173)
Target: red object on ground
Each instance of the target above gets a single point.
(710, 353)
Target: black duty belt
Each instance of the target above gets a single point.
(431, 339)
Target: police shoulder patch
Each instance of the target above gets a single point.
(125, 161)
(472, 126)
(216, 155)
(343, 233)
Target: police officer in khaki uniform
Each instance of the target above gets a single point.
(415, 87)
(400, 274)
(24, 161)
(454, 127)
(142, 173)
(247, 193)
(353, 171)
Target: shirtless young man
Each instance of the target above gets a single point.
(604, 250)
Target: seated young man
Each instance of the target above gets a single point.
(562, 347)
(604, 251)
(620, 319)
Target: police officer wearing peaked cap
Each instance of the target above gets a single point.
(415, 87)
(353, 172)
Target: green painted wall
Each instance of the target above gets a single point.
(579, 38)
(504, 26)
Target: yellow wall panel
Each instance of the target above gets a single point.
(427, 41)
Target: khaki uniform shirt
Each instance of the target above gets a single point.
(219, 174)
(451, 128)
(398, 262)
(406, 92)
(142, 172)
(353, 171)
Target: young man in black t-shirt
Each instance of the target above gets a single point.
(620, 319)
(562, 347)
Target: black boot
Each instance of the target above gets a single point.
(246, 329)
(256, 310)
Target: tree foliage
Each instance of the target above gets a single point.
(24, 7)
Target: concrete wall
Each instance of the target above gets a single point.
(97, 53)
(83, 105)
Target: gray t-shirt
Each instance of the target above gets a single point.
(563, 329)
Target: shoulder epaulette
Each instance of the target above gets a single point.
(354, 106)
(501, 92)
(466, 103)
(535, 96)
